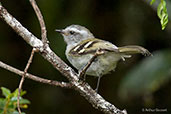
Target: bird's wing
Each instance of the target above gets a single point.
(90, 46)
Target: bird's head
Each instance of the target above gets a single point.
(74, 34)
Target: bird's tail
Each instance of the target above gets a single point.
(127, 51)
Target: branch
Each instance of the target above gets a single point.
(41, 21)
(83, 88)
(44, 40)
(22, 79)
(33, 77)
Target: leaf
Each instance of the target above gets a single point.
(2, 104)
(148, 76)
(162, 14)
(152, 1)
(24, 101)
(6, 92)
(23, 92)
(24, 106)
(16, 112)
(14, 99)
(15, 93)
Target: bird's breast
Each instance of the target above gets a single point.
(103, 64)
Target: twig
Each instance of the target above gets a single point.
(41, 21)
(22, 79)
(82, 71)
(85, 90)
(35, 78)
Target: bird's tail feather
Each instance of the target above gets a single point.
(132, 49)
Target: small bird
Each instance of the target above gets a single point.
(82, 46)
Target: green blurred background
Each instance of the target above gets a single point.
(137, 84)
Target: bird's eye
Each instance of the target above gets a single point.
(71, 32)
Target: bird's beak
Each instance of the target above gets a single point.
(60, 31)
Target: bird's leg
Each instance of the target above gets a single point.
(82, 71)
(98, 82)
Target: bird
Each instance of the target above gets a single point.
(82, 46)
